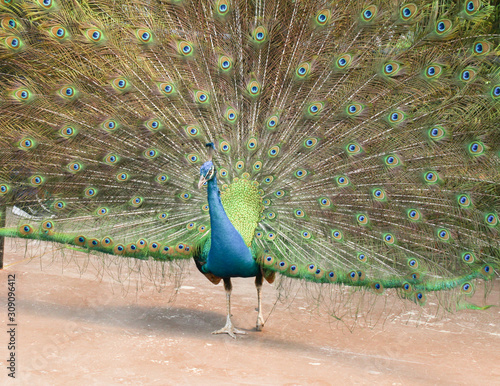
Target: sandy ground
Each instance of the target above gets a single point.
(76, 329)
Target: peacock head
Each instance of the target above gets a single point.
(207, 170)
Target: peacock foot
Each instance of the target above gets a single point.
(230, 330)
(260, 323)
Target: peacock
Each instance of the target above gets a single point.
(354, 144)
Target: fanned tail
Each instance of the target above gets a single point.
(368, 129)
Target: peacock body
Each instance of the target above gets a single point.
(356, 143)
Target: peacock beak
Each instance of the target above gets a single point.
(201, 182)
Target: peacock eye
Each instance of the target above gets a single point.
(210, 173)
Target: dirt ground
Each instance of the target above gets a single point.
(82, 329)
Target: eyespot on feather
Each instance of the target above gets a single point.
(431, 177)
(94, 35)
(379, 194)
(433, 71)
(436, 133)
(354, 109)
(252, 144)
(13, 43)
(59, 205)
(90, 192)
(476, 148)
(122, 177)
(303, 70)
(272, 122)
(102, 211)
(323, 17)
(491, 219)
(254, 88)
(353, 148)
(467, 75)
(185, 48)
(225, 63)
(481, 48)
(80, 240)
(271, 236)
(46, 4)
(309, 143)
(93, 243)
(468, 257)
(36, 180)
(268, 260)
(162, 216)
(25, 230)
(222, 7)
(119, 249)
(107, 242)
(337, 235)
(368, 14)
(273, 151)
(377, 288)
(68, 132)
(472, 7)
(392, 160)
(281, 265)
(361, 256)
(162, 178)
(414, 214)
(420, 298)
(154, 247)
(467, 288)
(407, 288)
(167, 88)
(111, 159)
(362, 219)
(4, 189)
(315, 108)
(343, 61)
(231, 115)
(120, 84)
(59, 33)
(342, 181)
(185, 196)
(144, 36)
(259, 34)
(27, 144)
(389, 239)
(332, 277)
(293, 270)
(22, 94)
(9, 23)
(396, 117)
(110, 125)
(201, 97)
(443, 27)
(141, 244)
(136, 201)
(408, 12)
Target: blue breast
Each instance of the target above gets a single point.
(229, 256)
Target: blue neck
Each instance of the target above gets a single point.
(218, 217)
(229, 256)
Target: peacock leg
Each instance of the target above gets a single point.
(260, 318)
(228, 328)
